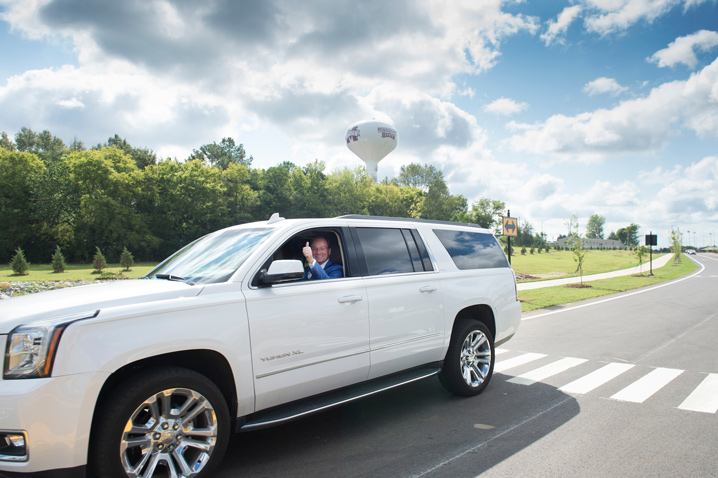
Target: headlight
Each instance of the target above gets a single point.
(31, 349)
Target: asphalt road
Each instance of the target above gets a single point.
(620, 386)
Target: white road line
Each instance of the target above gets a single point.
(704, 398)
(597, 378)
(640, 390)
(516, 361)
(500, 351)
(547, 371)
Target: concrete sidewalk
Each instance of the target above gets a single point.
(645, 268)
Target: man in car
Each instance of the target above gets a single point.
(319, 265)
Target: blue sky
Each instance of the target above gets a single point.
(554, 107)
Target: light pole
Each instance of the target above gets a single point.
(689, 238)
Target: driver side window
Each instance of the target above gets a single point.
(292, 250)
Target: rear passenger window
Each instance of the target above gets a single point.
(472, 250)
(392, 251)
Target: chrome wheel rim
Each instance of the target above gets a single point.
(172, 433)
(475, 358)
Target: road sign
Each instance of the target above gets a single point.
(511, 227)
(651, 240)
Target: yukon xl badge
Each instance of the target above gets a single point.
(280, 356)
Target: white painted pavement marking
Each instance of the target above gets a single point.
(597, 378)
(516, 361)
(500, 351)
(547, 371)
(705, 397)
(640, 390)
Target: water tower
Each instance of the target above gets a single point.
(371, 141)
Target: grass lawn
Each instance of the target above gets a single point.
(73, 272)
(561, 264)
(548, 296)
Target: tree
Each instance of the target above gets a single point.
(420, 177)
(488, 213)
(58, 261)
(142, 157)
(126, 259)
(594, 228)
(577, 245)
(6, 143)
(629, 235)
(223, 154)
(19, 264)
(26, 140)
(676, 244)
(20, 225)
(640, 253)
(98, 262)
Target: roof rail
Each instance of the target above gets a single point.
(408, 219)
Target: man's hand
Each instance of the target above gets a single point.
(307, 251)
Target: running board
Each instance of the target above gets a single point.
(317, 403)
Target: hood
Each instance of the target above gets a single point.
(72, 300)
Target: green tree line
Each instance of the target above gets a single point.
(114, 195)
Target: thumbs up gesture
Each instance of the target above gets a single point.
(307, 251)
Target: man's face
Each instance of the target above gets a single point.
(320, 250)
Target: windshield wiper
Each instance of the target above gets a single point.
(174, 278)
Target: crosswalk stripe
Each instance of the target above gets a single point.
(597, 378)
(500, 351)
(640, 390)
(547, 371)
(704, 398)
(516, 361)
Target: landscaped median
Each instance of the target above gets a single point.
(562, 294)
(41, 277)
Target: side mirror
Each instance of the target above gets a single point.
(281, 271)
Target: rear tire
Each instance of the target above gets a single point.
(159, 422)
(469, 362)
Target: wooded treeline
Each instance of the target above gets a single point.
(114, 195)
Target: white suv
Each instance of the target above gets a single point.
(148, 377)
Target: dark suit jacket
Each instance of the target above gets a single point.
(330, 271)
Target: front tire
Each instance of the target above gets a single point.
(163, 422)
(469, 362)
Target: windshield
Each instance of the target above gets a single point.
(212, 258)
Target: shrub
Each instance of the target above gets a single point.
(531, 250)
(98, 262)
(126, 259)
(523, 251)
(58, 261)
(19, 264)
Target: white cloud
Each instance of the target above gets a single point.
(616, 15)
(641, 125)
(505, 107)
(603, 85)
(254, 65)
(682, 49)
(557, 29)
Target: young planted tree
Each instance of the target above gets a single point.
(19, 264)
(58, 261)
(640, 253)
(676, 245)
(577, 246)
(126, 259)
(98, 262)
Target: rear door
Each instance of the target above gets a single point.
(406, 316)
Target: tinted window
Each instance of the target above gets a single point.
(385, 251)
(472, 250)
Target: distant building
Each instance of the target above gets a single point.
(593, 243)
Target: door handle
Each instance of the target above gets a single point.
(426, 289)
(350, 299)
